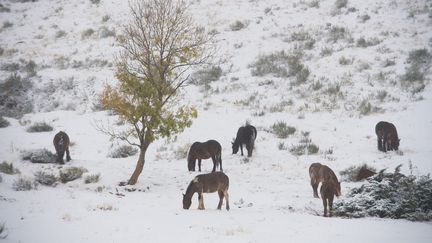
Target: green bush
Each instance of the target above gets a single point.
(46, 179)
(280, 64)
(353, 173)
(3, 122)
(40, 127)
(206, 76)
(8, 168)
(389, 195)
(282, 130)
(123, 151)
(23, 184)
(71, 174)
(92, 179)
(14, 101)
(39, 156)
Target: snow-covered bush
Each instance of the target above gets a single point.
(3, 122)
(337, 33)
(92, 178)
(14, 101)
(39, 156)
(345, 61)
(305, 146)
(182, 151)
(60, 34)
(4, 9)
(87, 33)
(123, 151)
(362, 42)
(104, 32)
(282, 130)
(341, 3)
(279, 64)
(206, 76)
(414, 76)
(71, 173)
(238, 25)
(366, 108)
(40, 127)
(23, 184)
(46, 179)
(389, 195)
(8, 168)
(3, 233)
(357, 173)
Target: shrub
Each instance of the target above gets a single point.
(3, 233)
(341, 4)
(279, 64)
(123, 151)
(24, 185)
(414, 76)
(206, 76)
(3, 122)
(87, 33)
(39, 156)
(45, 178)
(7, 168)
(282, 130)
(4, 9)
(60, 34)
(238, 25)
(14, 101)
(71, 174)
(92, 179)
(7, 24)
(1, 178)
(362, 42)
(366, 108)
(364, 18)
(105, 18)
(357, 173)
(345, 61)
(10, 67)
(40, 127)
(104, 32)
(182, 151)
(389, 195)
(337, 33)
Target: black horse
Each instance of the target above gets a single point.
(61, 143)
(245, 135)
(210, 149)
(387, 136)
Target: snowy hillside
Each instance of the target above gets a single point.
(330, 69)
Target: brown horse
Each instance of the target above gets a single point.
(322, 173)
(61, 143)
(328, 190)
(210, 149)
(207, 183)
(245, 135)
(387, 136)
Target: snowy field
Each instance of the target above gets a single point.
(270, 196)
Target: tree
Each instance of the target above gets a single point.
(158, 47)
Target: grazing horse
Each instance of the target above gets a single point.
(322, 173)
(207, 183)
(210, 149)
(245, 135)
(328, 190)
(61, 143)
(387, 136)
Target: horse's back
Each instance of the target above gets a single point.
(214, 181)
(244, 134)
(319, 172)
(213, 145)
(61, 136)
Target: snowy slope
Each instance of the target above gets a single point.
(270, 195)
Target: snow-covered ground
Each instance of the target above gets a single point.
(270, 196)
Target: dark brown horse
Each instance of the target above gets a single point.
(207, 183)
(199, 151)
(322, 173)
(387, 136)
(328, 190)
(61, 143)
(245, 135)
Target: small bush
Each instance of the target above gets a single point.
(3, 233)
(39, 156)
(415, 74)
(95, 1)
(104, 32)
(206, 76)
(9, 169)
(4, 9)
(105, 18)
(71, 174)
(356, 173)
(389, 195)
(40, 127)
(366, 108)
(279, 64)
(326, 51)
(337, 33)
(341, 4)
(92, 179)
(362, 42)
(7, 24)
(87, 33)
(60, 34)
(24, 185)
(182, 151)
(123, 151)
(364, 18)
(3, 122)
(45, 178)
(238, 25)
(282, 130)
(14, 101)
(345, 61)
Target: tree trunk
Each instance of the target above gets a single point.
(139, 167)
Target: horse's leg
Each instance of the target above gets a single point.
(68, 158)
(214, 163)
(385, 144)
(226, 199)
(220, 162)
(199, 165)
(380, 148)
(315, 189)
(221, 196)
(241, 149)
(200, 201)
(325, 205)
(331, 205)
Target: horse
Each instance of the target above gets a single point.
(245, 135)
(322, 173)
(210, 149)
(328, 190)
(387, 136)
(61, 144)
(207, 183)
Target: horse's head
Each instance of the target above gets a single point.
(187, 201)
(235, 147)
(395, 143)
